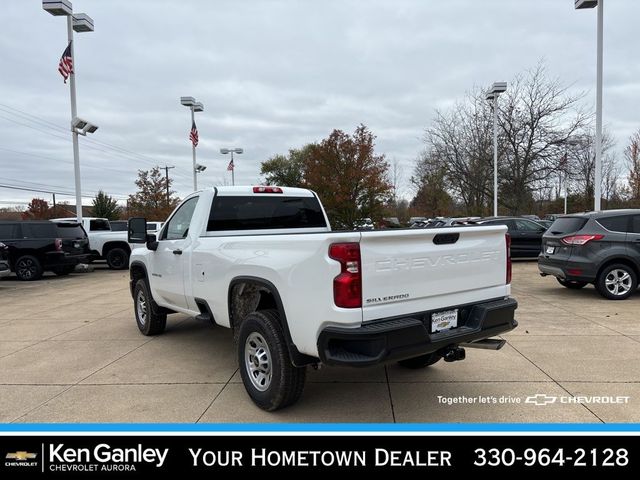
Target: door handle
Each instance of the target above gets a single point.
(177, 251)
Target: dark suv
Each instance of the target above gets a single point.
(526, 235)
(602, 248)
(39, 246)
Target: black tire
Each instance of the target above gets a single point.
(28, 268)
(118, 259)
(148, 318)
(617, 281)
(572, 284)
(62, 271)
(420, 362)
(261, 337)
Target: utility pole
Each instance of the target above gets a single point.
(54, 202)
(166, 177)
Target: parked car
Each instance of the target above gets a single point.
(75, 242)
(153, 227)
(526, 235)
(602, 248)
(36, 247)
(5, 269)
(105, 243)
(535, 218)
(118, 225)
(264, 262)
(545, 223)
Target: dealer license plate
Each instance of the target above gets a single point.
(550, 250)
(444, 320)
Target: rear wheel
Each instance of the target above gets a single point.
(28, 268)
(269, 377)
(149, 320)
(572, 284)
(421, 361)
(117, 258)
(617, 281)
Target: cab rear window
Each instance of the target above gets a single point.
(264, 212)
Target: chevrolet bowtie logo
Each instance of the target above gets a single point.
(541, 399)
(21, 456)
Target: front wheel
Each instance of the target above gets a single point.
(572, 284)
(117, 258)
(268, 375)
(148, 319)
(421, 361)
(617, 282)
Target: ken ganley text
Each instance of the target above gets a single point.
(262, 457)
(103, 457)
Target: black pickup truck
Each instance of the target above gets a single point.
(38, 246)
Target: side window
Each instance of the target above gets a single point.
(99, 225)
(178, 226)
(615, 224)
(635, 224)
(40, 230)
(527, 226)
(8, 231)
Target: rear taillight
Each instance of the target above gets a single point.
(507, 239)
(267, 190)
(347, 287)
(58, 244)
(580, 239)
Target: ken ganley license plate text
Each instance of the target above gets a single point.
(444, 320)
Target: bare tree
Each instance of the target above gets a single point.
(537, 117)
(632, 156)
(581, 167)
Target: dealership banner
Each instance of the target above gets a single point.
(131, 456)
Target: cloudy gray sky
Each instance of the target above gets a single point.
(276, 74)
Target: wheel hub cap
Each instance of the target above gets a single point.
(258, 361)
(618, 282)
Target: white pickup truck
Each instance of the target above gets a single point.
(104, 243)
(264, 262)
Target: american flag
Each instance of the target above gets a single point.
(65, 67)
(193, 134)
(230, 166)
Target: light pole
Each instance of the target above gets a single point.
(232, 165)
(496, 89)
(581, 4)
(80, 22)
(194, 107)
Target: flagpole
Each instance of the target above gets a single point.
(193, 152)
(74, 114)
(233, 171)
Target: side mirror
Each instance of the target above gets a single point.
(152, 242)
(137, 230)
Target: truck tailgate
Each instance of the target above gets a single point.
(410, 271)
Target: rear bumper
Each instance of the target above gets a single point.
(406, 337)
(574, 269)
(61, 259)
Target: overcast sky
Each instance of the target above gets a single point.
(277, 74)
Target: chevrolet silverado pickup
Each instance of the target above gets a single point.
(107, 244)
(264, 262)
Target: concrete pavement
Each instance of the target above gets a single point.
(70, 352)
